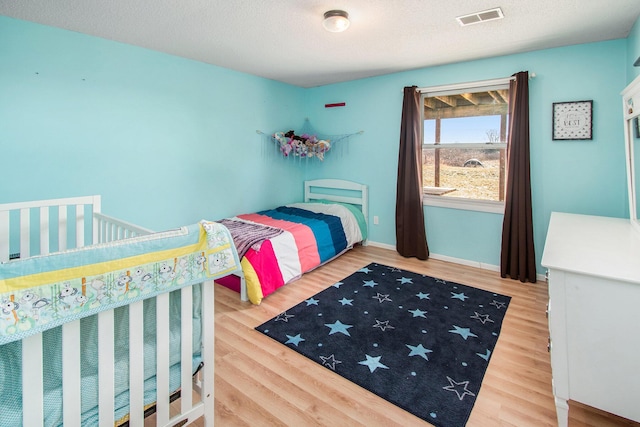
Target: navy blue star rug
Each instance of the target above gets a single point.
(419, 342)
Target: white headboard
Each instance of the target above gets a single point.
(337, 190)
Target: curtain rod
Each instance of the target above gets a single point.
(479, 83)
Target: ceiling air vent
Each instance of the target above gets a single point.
(484, 16)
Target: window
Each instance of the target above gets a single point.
(465, 143)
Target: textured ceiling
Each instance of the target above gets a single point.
(284, 39)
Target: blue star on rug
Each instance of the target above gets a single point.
(422, 295)
(419, 350)
(418, 313)
(373, 363)
(370, 284)
(419, 342)
(294, 340)
(461, 296)
(338, 327)
(463, 332)
(486, 355)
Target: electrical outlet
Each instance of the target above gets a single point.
(375, 219)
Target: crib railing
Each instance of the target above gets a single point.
(46, 226)
(49, 224)
(107, 228)
(32, 367)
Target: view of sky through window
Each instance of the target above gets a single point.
(462, 130)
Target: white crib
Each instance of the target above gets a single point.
(30, 229)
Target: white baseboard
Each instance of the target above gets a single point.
(381, 245)
(466, 262)
(476, 264)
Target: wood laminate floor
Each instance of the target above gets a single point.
(259, 382)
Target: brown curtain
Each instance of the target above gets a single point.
(518, 259)
(411, 236)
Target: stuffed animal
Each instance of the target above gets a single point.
(304, 145)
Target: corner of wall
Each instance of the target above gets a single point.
(633, 51)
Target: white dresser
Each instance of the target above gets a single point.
(594, 313)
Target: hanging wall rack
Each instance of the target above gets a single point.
(305, 144)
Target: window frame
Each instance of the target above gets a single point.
(480, 205)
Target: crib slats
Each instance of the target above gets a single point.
(162, 369)
(25, 233)
(71, 396)
(62, 227)
(44, 230)
(106, 368)
(208, 351)
(4, 231)
(59, 220)
(79, 226)
(102, 231)
(136, 364)
(162, 351)
(33, 371)
(107, 228)
(32, 381)
(186, 348)
(96, 203)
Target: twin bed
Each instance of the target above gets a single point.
(101, 320)
(277, 246)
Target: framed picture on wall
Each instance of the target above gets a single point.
(572, 120)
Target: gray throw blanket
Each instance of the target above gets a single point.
(246, 234)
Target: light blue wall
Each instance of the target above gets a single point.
(166, 141)
(585, 177)
(633, 51)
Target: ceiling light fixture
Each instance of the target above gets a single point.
(336, 21)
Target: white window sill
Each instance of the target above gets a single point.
(437, 191)
(465, 204)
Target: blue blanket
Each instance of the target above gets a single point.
(327, 229)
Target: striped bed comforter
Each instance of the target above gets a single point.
(312, 234)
